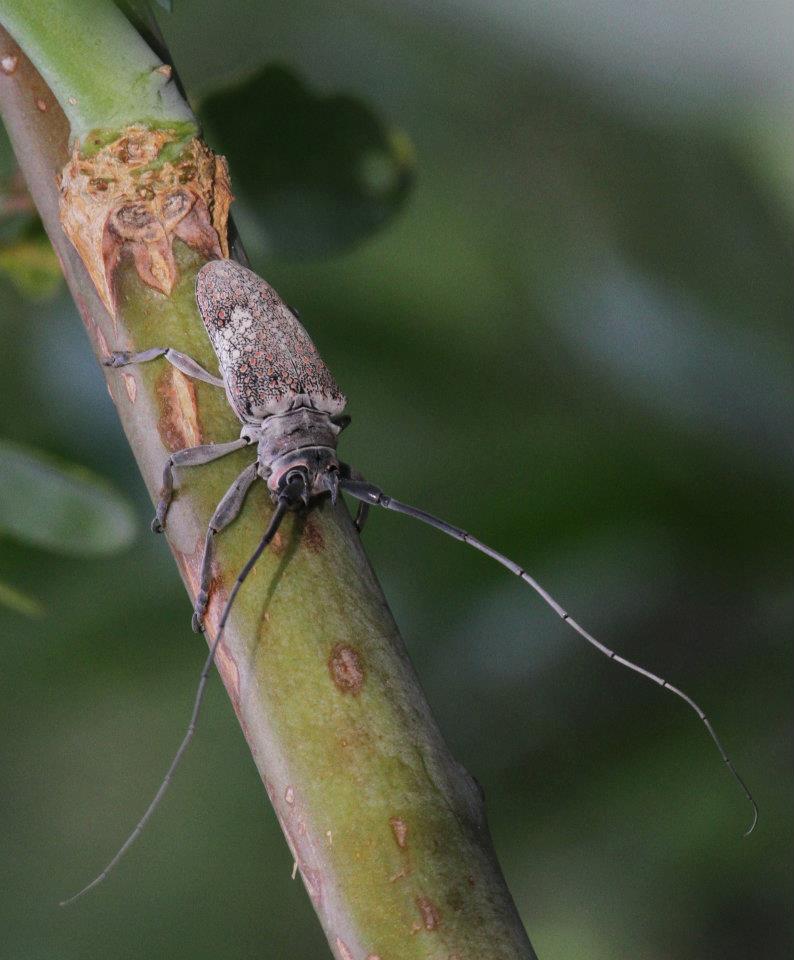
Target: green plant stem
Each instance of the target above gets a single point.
(387, 829)
(102, 73)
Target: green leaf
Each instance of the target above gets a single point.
(27, 258)
(59, 506)
(32, 266)
(319, 173)
(20, 602)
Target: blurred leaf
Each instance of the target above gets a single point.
(32, 266)
(16, 600)
(59, 506)
(27, 258)
(321, 172)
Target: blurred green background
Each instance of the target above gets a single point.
(574, 338)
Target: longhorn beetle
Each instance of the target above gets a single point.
(292, 409)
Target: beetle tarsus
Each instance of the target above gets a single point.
(158, 521)
(118, 358)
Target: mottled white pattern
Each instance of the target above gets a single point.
(268, 361)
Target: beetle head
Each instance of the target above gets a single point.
(319, 467)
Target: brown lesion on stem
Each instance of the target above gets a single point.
(138, 194)
(431, 916)
(346, 668)
(399, 828)
(179, 425)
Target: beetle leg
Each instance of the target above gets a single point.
(362, 511)
(122, 358)
(189, 457)
(226, 512)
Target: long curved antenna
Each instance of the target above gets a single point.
(278, 515)
(369, 493)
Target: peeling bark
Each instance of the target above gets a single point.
(129, 196)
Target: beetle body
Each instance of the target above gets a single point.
(275, 380)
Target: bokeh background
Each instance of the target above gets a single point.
(572, 337)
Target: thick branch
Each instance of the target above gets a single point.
(388, 830)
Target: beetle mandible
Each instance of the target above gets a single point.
(291, 408)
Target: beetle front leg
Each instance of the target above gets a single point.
(188, 366)
(189, 457)
(362, 512)
(226, 512)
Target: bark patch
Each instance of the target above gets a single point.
(343, 949)
(140, 193)
(400, 830)
(227, 668)
(130, 386)
(312, 537)
(431, 917)
(178, 423)
(277, 544)
(346, 669)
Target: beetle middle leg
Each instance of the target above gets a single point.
(226, 512)
(189, 457)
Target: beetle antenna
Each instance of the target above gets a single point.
(284, 502)
(370, 494)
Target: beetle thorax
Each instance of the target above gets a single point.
(302, 438)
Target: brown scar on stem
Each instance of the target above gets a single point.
(344, 950)
(130, 386)
(227, 668)
(400, 830)
(312, 536)
(9, 63)
(217, 593)
(346, 669)
(178, 423)
(41, 105)
(277, 545)
(431, 917)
